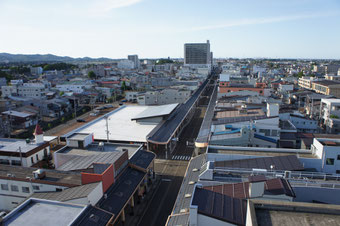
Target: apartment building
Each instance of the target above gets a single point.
(197, 53)
(306, 82)
(330, 114)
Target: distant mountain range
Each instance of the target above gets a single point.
(15, 58)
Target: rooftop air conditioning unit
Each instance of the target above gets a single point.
(39, 174)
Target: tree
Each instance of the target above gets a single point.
(123, 87)
(300, 74)
(92, 75)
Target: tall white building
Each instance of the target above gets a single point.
(134, 59)
(197, 53)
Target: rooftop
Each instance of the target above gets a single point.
(277, 186)
(121, 126)
(156, 111)
(18, 114)
(35, 212)
(327, 82)
(272, 213)
(120, 192)
(94, 149)
(67, 179)
(13, 145)
(239, 113)
(288, 162)
(67, 194)
(222, 207)
(258, 151)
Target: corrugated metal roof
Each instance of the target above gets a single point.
(84, 162)
(67, 194)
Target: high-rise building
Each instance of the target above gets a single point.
(197, 53)
(134, 59)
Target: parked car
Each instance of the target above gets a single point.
(93, 114)
(80, 120)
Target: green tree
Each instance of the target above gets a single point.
(300, 74)
(123, 87)
(92, 75)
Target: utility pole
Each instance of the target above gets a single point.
(75, 108)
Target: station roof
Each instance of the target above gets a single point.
(121, 191)
(142, 158)
(155, 111)
(121, 126)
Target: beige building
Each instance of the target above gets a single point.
(327, 87)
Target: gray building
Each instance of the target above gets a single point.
(197, 53)
(134, 59)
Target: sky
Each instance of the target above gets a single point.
(159, 28)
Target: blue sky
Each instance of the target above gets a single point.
(159, 28)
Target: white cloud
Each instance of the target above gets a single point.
(268, 20)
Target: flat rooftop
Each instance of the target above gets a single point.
(121, 125)
(274, 213)
(239, 113)
(94, 149)
(67, 179)
(38, 212)
(259, 151)
(13, 145)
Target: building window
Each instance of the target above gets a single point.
(16, 162)
(4, 187)
(14, 188)
(58, 189)
(25, 189)
(338, 157)
(337, 171)
(36, 187)
(329, 161)
(32, 160)
(4, 161)
(37, 157)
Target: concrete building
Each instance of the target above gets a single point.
(24, 153)
(126, 64)
(20, 120)
(332, 69)
(327, 87)
(197, 53)
(36, 70)
(3, 82)
(135, 60)
(306, 82)
(165, 96)
(42, 212)
(330, 114)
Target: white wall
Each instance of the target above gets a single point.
(203, 220)
(9, 196)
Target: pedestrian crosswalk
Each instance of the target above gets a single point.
(181, 157)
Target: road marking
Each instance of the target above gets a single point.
(166, 180)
